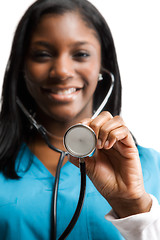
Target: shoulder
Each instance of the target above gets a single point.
(150, 161)
(23, 158)
(148, 154)
(22, 153)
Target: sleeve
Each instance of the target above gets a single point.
(144, 226)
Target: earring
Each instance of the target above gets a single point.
(100, 77)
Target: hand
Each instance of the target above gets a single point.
(115, 168)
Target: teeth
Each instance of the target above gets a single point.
(65, 91)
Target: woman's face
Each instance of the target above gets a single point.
(62, 67)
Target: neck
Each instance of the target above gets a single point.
(57, 127)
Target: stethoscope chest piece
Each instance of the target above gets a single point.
(80, 141)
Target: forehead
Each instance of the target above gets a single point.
(68, 25)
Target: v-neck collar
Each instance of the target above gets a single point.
(31, 166)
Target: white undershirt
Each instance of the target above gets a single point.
(144, 226)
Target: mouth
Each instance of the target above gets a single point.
(64, 91)
(62, 94)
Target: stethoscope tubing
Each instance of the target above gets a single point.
(79, 205)
(53, 227)
(53, 230)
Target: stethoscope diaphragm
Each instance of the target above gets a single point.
(80, 141)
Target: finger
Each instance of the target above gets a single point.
(119, 134)
(105, 129)
(99, 121)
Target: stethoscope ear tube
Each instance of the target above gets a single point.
(107, 96)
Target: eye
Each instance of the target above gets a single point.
(81, 55)
(41, 56)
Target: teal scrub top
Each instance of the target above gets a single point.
(25, 204)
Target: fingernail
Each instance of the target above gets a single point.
(99, 143)
(106, 144)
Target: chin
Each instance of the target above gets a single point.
(67, 115)
(66, 118)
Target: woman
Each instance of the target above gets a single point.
(60, 50)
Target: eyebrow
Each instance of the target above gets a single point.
(76, 44)
(48, 45)
(42, 43)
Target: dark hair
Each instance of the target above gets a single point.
(14, 127)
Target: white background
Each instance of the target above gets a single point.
(135, 26)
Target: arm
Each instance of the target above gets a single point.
(144, 226)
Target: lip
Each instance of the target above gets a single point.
(65, 94)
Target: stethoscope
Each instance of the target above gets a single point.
(80, 142)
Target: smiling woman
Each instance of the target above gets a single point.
(60, 69)
(133, 37)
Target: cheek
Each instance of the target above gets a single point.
(91, 73)
(32, 87)
(34, 78)
(36, 72)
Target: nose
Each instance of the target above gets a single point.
(62, 68)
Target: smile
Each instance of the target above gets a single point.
(62, 94)
(64, 91)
